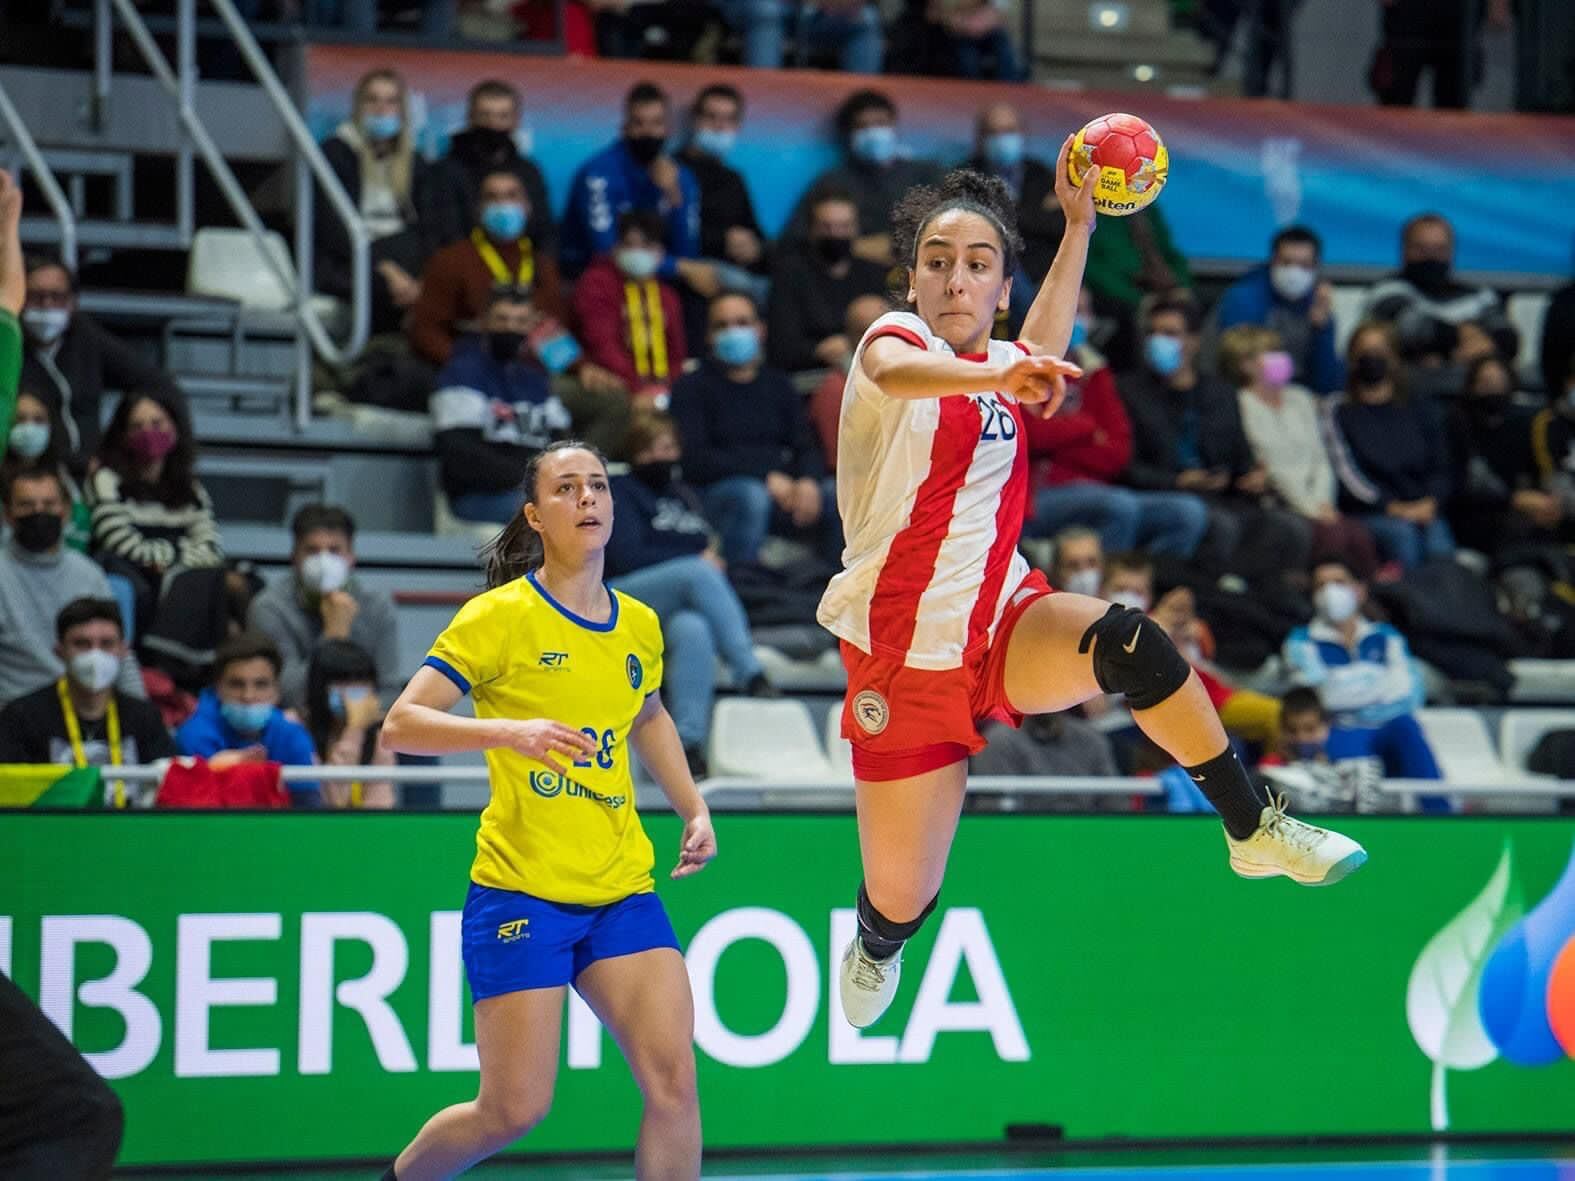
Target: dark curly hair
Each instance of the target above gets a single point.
(965, 189)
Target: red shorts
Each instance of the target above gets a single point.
(904, 721)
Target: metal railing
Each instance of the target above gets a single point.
(180, 81)
(39, 168)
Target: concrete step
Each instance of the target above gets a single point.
(113, 235)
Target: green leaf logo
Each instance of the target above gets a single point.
(1441, 999)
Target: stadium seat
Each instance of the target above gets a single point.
(1543, 682)
(1349, 300)
(762, 739)
(1519, 730)
(838, 749)
(228, 264)
(446, 524)
(1462, 745)
(1526, 311)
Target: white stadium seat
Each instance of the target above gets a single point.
(761, 739)
(838, 749)
(1520, 729)
(1462, 745)
(1348, 303)
(228, 264)
(1526, 311)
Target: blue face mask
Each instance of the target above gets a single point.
(738, 345)
(1004, 149)
(1307, 752)
(379, 128)
(1163, 353)
(29, 439)
(715, 143)
(246, 718)
(1079, 333)
(874, 145)
(339, 700)
(503, 220)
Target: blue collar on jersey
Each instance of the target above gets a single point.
(587, 624)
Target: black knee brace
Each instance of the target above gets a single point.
(1134, 657)
(876, 928)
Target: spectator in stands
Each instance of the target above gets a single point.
(1495, 500)
(728, 228)
(81, 715)
(1137, 258)
(1280, 419)
(240, 712)
(1287, 295)
(151, 516)
(664, 552)
(1424, 302)
(320, 601)
(1000, 149)
(630, 318)
(39, 442)
(877, 173)
(487, 145)
(825, 403)
(374, 156)
(39, 576)
(851, 28)
(635, 174)
(1434, 35)
(497, 254)
(1187, 437)
(1557, 348)
(1086, 444)
(1553, 446)
(968, 39)
(1078, 564)
(1363, 673)
(1048, 744)
(70, 360)
(1327, 774)
(749, 442)
(491, 411)
(1389, 452)
(344, 718)
(816, 282)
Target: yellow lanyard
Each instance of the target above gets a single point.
(648, 331)
(495, 264)
(74, 733)
(355, 793)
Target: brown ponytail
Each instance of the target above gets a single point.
(517, 549)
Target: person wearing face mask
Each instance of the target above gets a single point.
(817, 280)
(1389, 453)
(728, 228)
(1000, 149)
(39, 575)
(373, 153)
(1496, 500)
(38, 442)
(1363, 673)
(1425, 302)
(1281, 422)
(630, 318)
(1321, 765)
(238, 716)
(485, 146)
(81, 715)
(344, 717)
(876, 174)
(69, 359)
(664, 552)
(1078, 564)
(321, 601)
(751, 451)
(1287, 296)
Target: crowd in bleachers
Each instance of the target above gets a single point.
(1307, 507)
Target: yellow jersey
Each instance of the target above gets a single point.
(567, 837)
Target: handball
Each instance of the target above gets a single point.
(1131, 158)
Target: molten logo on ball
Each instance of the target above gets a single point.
(1132, 161)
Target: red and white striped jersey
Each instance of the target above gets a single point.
(932, 493)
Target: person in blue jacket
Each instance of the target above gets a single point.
(240, 712)
(663, 552)
(635, 172)
(1286, 294)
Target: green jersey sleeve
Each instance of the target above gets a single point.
(10, 371)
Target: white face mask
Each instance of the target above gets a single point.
(46, 325)
(1336, 601)
(1137, 600)
(1083, 582)
(323, 573)
(1292, 282)
(95, 670)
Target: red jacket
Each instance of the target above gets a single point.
(1089, 439)
(601, 309)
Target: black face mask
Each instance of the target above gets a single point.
(1430, 274)
(645, 148)
(658, 474)
(490, 144)
(1487, 408)
(505, 346)
(38, 532)
(834, 250)
(1371, 368)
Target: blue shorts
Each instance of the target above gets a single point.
(512, 941)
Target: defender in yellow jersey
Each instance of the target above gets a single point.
(563, 673)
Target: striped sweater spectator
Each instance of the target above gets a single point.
(148, 533)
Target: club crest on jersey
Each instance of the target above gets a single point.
(871, 712)
(636, 672)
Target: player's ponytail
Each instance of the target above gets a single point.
(517, 549)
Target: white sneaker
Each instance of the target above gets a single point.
(1302, 852)
(867, 985)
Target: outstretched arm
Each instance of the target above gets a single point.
(1048, 325)
(655, 739)
(13, 292)
(904, 371)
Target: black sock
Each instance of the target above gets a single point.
(1226, 784)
